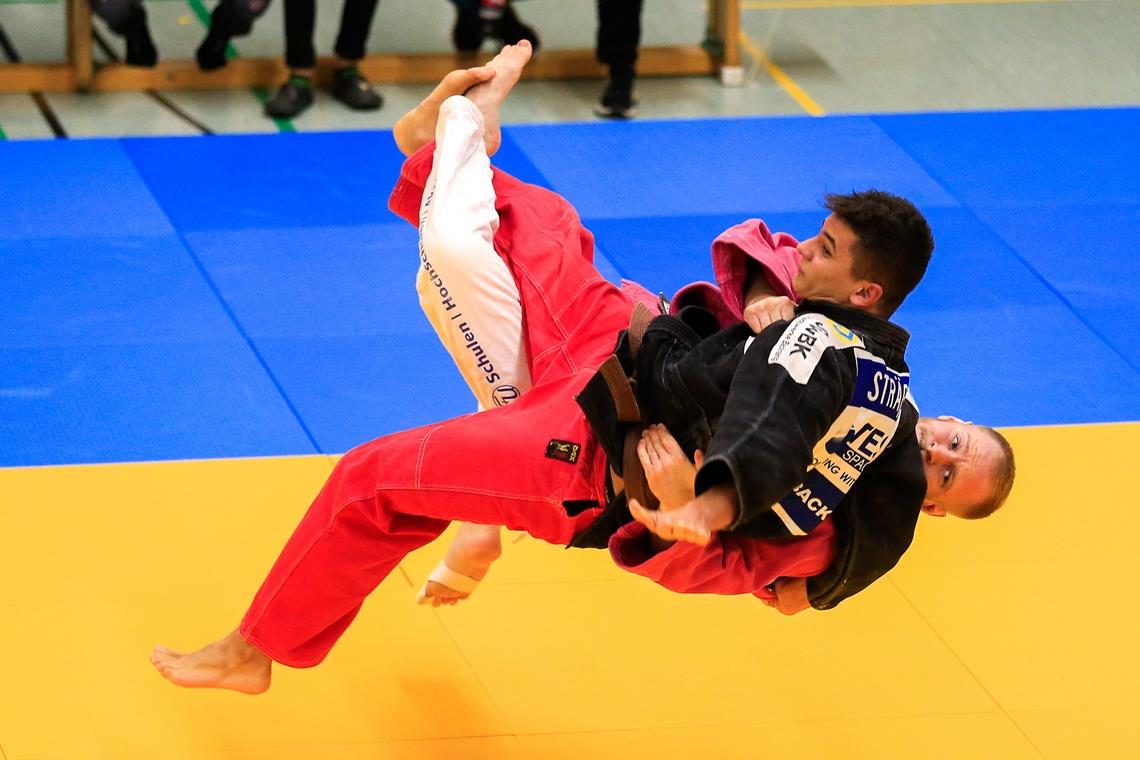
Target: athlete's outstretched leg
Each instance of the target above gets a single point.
(469, 294)
(391, 496)
(464, 249)
(466, 290)
(540, 237)
(348, 541)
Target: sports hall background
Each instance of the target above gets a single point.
(202, 308)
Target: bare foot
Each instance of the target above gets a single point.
(489, 95)
(228, 663)
(416, 128)
(472, 552)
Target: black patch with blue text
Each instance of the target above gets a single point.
(564, 451)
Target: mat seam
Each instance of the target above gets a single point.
(878, 121)
(227, 309)
(954, 653)
(475, 674)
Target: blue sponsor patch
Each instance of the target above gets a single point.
(812, 501)
(879, 388)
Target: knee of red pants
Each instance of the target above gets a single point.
(338, 554)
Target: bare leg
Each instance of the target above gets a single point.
(471, 554)
(489, 95)
(488, 86)
(416, 128)
(228, 663)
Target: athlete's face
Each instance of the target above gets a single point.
(826, 268)
(960, 461)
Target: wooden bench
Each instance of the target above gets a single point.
(719, 54)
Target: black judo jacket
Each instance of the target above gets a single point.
(771, 412)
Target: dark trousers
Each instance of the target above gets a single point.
(619, 34)
(300, 17)
(119, 14)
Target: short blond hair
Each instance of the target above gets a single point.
(1002, 479)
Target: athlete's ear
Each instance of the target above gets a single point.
(952, 418)
(867, 295)
(933, 509)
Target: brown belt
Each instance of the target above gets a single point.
(622, 389)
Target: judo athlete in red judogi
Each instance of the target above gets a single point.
(516, 466)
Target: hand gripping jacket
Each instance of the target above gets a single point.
(811, 421)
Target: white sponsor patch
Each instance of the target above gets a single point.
(804, 342)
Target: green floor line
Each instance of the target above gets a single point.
(261, 93)
(2, 135)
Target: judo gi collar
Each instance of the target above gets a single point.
(887, 335)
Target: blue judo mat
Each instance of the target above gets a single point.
(183, 298)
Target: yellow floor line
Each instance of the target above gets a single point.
(781, 77)
(765, 5)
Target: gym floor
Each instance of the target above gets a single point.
(194, 328)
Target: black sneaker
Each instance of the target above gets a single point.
(617, 102)
(225, 22)
(211, 54)
(352, 89)
(294, 97)
(140, 46)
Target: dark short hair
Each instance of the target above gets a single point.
(1001, 479)
(895, 242)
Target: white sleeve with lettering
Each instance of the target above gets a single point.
(465, 289)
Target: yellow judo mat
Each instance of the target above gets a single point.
(1014, 637)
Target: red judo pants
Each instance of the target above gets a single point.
(397, 493)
